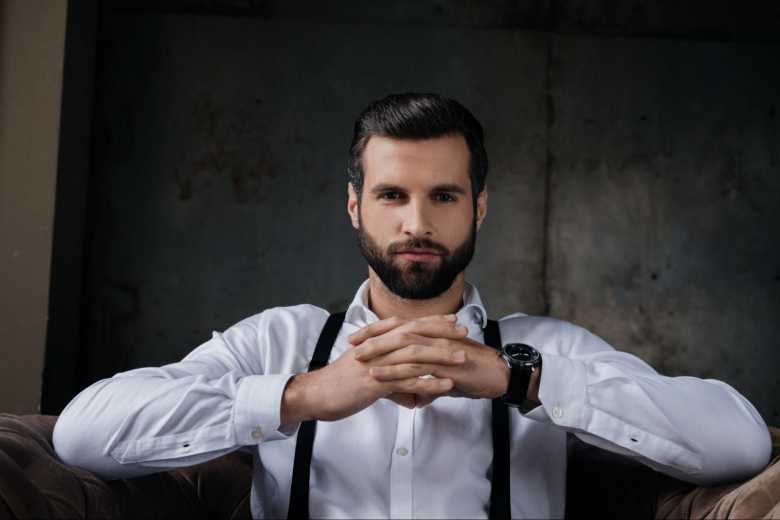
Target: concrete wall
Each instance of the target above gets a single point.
(633, 182)
(664, 232)
(32, 37)
(222, 182)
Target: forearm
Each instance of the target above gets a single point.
(694, 429)
(134, 425)
(697, 430)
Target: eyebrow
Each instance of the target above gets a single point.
(453, 188)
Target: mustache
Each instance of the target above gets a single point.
(419, 243)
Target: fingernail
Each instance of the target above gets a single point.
(461, 328)
(459, 356)
(450, 317)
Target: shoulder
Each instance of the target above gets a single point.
(287, 335)
(297, 320)
(548, 334)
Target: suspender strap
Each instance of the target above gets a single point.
(500, 503)
(299, 490)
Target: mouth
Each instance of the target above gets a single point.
(424, 255)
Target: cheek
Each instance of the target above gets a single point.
(454, 227)
(377, 220)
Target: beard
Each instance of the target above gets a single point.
(417, 280)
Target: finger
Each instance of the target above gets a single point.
(380, 327)
(374, 329)
(421, 333)
(406, 371)
(415, 385)
(416, 353)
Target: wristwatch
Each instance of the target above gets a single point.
(522, 361)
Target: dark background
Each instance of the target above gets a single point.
(634, 181)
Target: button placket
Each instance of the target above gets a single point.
(401, 466)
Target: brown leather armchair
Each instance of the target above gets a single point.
(34, 483)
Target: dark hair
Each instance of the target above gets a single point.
(418, 116)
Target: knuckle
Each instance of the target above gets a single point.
(444, 354)
(405, 385)
(430, 386)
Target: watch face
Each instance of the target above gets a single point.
(522, 354)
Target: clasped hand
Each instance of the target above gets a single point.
(386, 360)
(403, 350)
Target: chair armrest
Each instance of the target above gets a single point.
(606, 485)
(758, 497)
(34, 483)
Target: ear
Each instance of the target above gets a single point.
(352, 205)
(482, 203)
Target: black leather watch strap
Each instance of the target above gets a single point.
(519, 379)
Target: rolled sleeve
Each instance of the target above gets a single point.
(257, 409)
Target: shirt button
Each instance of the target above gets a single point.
(557, 412)
(402, 451)
(257, 433)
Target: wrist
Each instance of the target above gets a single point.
(295, 408)
(524, 364)
(505, 372)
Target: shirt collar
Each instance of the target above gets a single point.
(472, 314)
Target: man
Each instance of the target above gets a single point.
(409, 407)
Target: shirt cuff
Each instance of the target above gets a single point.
(562, 392)
(257, 409)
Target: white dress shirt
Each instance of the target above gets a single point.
(391, 462)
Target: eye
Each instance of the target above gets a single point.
(390, 195)
(444, 197)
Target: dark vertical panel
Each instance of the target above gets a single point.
(63, 338)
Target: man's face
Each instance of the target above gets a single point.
(416, 223)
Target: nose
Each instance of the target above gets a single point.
(416, 221)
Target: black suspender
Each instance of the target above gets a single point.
(500, 505)
(299, 489)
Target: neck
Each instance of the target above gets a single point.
(385, 304)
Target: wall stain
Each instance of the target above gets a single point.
(233, 148)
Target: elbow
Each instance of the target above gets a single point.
(71, 441)
(78, 437)
(738, 458)
(755, 454)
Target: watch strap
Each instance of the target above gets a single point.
(519, 379)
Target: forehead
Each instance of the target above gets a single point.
(414, 163)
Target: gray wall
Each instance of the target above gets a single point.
(633, 182)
